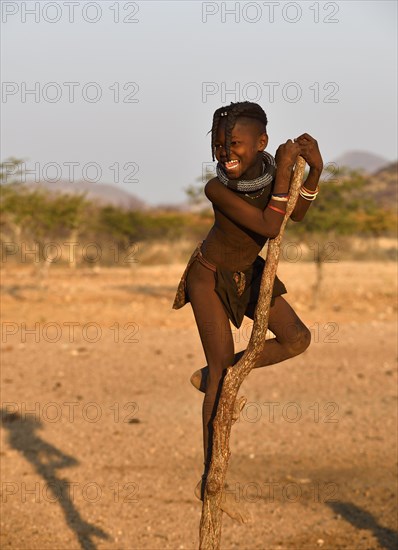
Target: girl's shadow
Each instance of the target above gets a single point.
(47, 459)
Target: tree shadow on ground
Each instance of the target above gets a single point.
(46, 460)
(361, 519)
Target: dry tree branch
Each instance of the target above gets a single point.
(211, 520)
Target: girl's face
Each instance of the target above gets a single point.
(247, 143)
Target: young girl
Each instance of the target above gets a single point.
(223, 276)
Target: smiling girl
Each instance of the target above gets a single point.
(223, 276)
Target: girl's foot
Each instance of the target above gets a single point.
(229, 504)
(198, 380)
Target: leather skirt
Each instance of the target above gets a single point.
(237, 290)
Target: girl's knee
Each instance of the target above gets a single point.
(305, 338)
(300, 340)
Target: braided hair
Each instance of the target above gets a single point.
(235, 110)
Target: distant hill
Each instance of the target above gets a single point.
(383, 185)
(101, 193)
(361, 160)
(389, 169)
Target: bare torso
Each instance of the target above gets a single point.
(231, 246)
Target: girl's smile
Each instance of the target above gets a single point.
(231, 165)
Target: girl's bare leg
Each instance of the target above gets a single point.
(292, 337)
(215, 334)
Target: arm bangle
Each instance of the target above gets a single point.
(307, 197)
(309, 190)
(276, 209)
(281, 199)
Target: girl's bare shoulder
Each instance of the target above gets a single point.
(214, 189)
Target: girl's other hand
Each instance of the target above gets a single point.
(287, 153)
(309, 150)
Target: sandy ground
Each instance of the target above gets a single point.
(101, 432)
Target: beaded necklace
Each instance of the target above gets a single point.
(269, 171)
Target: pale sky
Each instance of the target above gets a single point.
(145, 91)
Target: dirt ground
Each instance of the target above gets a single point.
(101, 429)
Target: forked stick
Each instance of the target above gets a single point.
(211, 520)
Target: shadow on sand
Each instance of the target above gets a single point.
(46, 460)
(361, 519)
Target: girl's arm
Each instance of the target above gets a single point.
(267, 222)
(310, 152)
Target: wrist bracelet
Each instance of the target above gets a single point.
(307, 197)
(279, 210)
(309, 192)
(281, 199)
